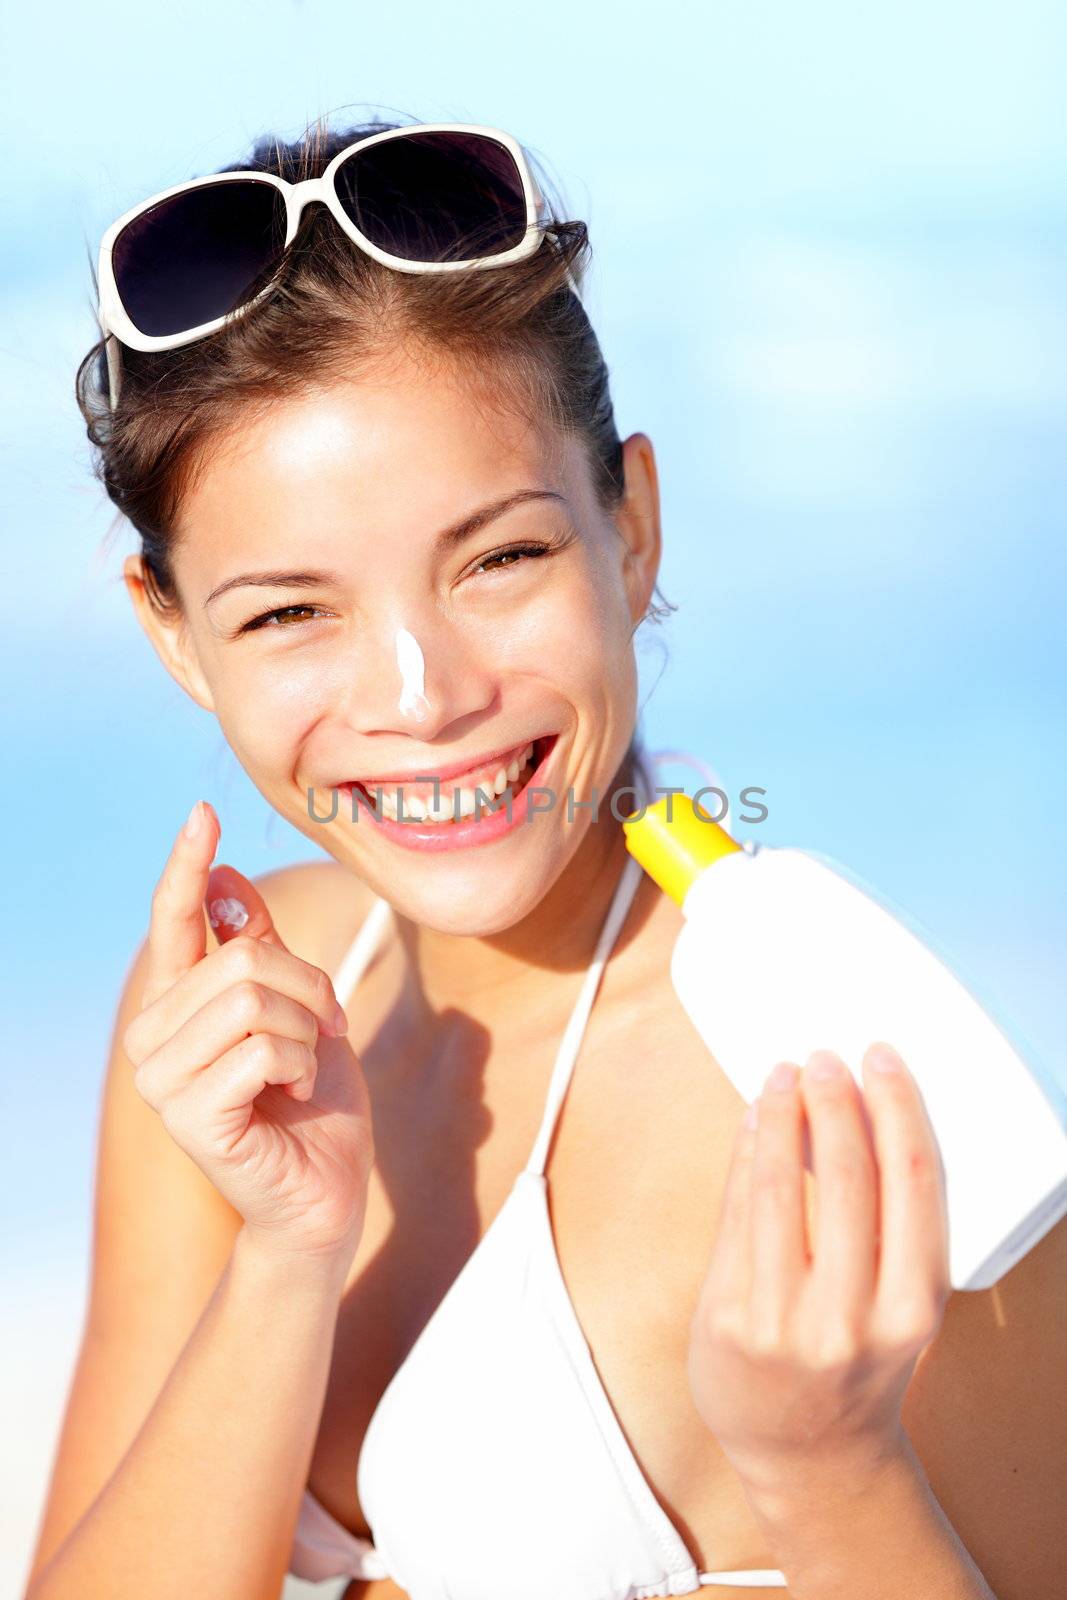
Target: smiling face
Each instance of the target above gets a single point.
(339, 546)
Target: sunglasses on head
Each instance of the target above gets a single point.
(430, 197)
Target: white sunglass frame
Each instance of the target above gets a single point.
(115, 324)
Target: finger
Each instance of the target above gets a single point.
(845, 1253)
(241, 960)
(729, 1269)
(220, 1101)
(176, 934)
(777, 1215)
(252, 1066)
(245, 1008)
(913, 1274)
(234, 905)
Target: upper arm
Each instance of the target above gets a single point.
(987, 1413)
(162, 1236)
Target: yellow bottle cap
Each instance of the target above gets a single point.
(674, 849)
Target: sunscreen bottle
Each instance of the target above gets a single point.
(781, 955)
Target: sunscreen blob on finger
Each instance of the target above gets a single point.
(228, 913)
(412, 664)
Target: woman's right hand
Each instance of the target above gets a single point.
(241, 1052)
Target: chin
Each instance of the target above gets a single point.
(478, 898)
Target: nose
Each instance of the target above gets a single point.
(426, 676)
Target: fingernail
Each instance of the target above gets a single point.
(194, 821)
(782, 1076)
(827, 1066)
(340, 1021)
(883, 1058)
(751, 1116)
(229, 912)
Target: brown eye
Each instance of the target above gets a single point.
(283, 617)
(499, 559)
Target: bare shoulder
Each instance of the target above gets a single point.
(987, 1413)
(317, 907)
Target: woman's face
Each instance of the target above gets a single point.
(390, 579)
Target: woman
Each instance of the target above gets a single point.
(391, 540)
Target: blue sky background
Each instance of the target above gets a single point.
(829, 250)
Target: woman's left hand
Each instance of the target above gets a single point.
(801, 1350)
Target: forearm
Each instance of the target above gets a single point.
(207, 1494)
(879, 1533)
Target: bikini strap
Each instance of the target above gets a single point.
(572, 1035)
(570, 1044)
(357, 957)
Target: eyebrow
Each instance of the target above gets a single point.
(446, 540)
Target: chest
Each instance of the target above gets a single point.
(635, 1168)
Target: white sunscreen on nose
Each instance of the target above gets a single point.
(410, 660)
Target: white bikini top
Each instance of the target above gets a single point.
(494, 1467)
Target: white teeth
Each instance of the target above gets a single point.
(452, 803)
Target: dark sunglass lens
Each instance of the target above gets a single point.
(198, 255)
(435, 196)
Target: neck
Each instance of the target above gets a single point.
(558, 935)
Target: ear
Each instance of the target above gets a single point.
(169, 634)
(638, 520)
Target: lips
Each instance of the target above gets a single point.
(461, 789)
(418, 784)
(453, 832)
(457, 769)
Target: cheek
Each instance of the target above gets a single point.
(577, 631)
(269, 709)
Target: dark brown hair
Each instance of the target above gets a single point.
(333, 309)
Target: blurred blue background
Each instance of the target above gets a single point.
(829, 249)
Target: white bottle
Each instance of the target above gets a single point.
(781, 955)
